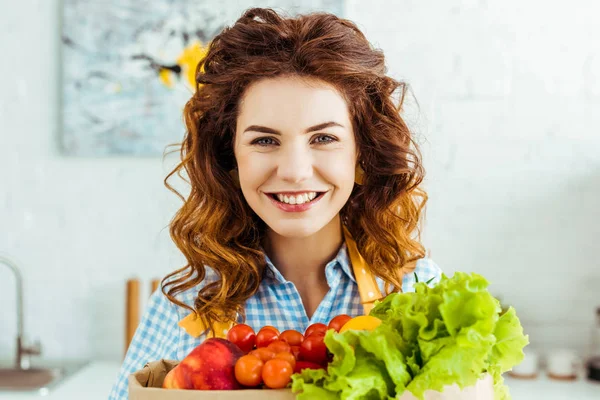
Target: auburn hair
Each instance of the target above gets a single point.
(216, 228)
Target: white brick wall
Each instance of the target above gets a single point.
(509, 95)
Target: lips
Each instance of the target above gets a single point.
(295, 193)
(295, 207)
(306, 197)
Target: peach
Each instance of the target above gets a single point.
(210, 366)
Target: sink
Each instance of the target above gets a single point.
(41, 377)
(36, 379)
(28, 379)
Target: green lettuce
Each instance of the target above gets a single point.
(452, 333)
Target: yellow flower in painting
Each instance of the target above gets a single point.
(189, 59)
(166, 77)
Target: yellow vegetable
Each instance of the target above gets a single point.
(361, 323)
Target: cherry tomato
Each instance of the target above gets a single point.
(277, 373)
(271, 328)
(265, 337)
(279, 346)
(337, 322)
(289, 357)
(263, 353)
(248, 370)
(313, 349)
(318, 327)
(295, 350)
(292, 337)
(243, 336)
(300, 365)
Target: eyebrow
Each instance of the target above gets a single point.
(264, 129)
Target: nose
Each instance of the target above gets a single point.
(295, 165)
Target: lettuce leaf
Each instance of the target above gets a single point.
(436, 336)
(353, 374)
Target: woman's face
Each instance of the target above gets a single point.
(293, 138)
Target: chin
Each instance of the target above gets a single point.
(296, 229)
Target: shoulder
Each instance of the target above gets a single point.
(426, 270)
(160, 311)
(159, 315)
(189, 295)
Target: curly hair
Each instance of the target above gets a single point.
(215, 227)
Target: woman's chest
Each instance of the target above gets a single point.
(281, 306)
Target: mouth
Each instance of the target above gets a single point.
(307, 200)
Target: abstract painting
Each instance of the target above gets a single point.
(128, 68)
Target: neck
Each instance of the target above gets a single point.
(302, 260)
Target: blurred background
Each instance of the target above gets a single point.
(507, 113)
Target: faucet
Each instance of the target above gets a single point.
(23, 351)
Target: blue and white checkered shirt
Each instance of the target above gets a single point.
(277, 303)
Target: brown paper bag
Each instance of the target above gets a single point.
(146, 384)
(482, 390)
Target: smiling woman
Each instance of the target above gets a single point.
(302, 171)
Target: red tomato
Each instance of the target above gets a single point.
(289, 357)
(337, 322)
(294, 338)
(248, 370)
(300, 365)
(279, 346)
(263, 353)
(265, 337)
(318, 327)
(313, 349)
(243, 336)
(295, 350)
(271, 328)
(277, 373)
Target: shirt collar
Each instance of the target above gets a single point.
(341, 260)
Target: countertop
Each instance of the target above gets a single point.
(94, 381)
(544, 388)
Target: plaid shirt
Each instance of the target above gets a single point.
(277, 302)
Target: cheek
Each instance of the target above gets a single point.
(252, 171)
(339, 171)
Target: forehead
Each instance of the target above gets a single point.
(292, 102)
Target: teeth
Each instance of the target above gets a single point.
(299, 199)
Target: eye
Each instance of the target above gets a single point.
(327, 139)
(263, 141)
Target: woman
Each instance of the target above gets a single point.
(293, 144)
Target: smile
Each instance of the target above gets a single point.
(295, 203)
(299, 198)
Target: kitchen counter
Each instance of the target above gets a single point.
(544, 388)
(94, 381)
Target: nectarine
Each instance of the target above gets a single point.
(210, 366)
